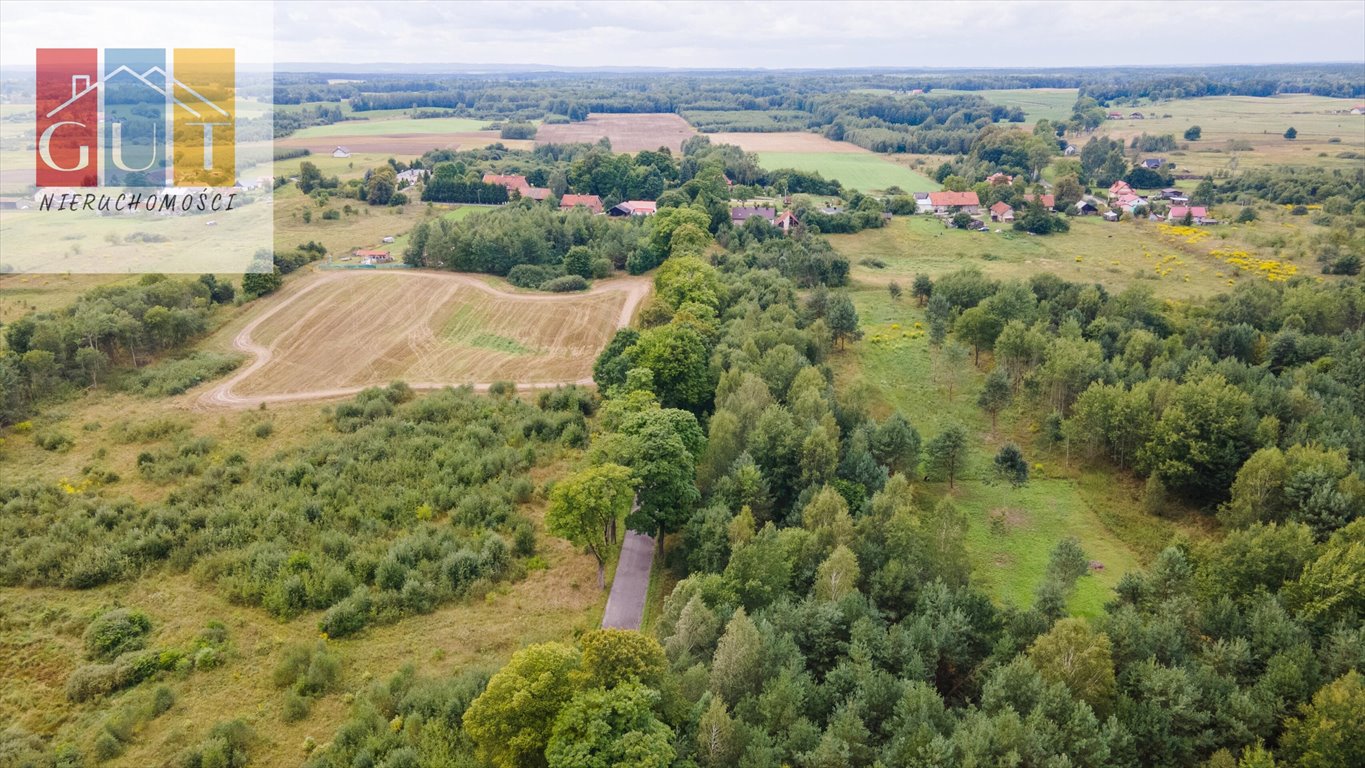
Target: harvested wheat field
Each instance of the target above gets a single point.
(628, 133)
(336, 333)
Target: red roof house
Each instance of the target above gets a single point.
(1002, 211)
(635, 208)
(1047, 201)
(536, 193)
(786, 222)
(945, 201)
(514, 183)
(591, 202)
(1120, 188)
(1178, 212)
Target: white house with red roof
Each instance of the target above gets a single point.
(946, 202)
(591, 202)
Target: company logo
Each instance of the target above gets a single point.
(131, 123)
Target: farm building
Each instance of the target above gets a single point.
(922, 203)
(742, 213)
(1115, 115)
(1086, 208)
(537, 193)
(591, 202)
(1111, 215)
(1358, 109)
(340, 152)
(947, 202)
(513, 183)
(1153, 163)
(373, 257)
(1070, 150)
(1136, 116)
(1047, 201)
(635, 208)
(1002, 211)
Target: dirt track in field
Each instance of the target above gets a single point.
(628, 132)
(341, 332)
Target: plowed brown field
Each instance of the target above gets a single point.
(628, 133)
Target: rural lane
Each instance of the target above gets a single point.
(626, 603)
(221, 396)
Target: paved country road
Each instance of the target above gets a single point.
(626, 604)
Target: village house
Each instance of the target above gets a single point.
(742, 213)
(1358, 109)
(1136, 116)
(1153, 163)
(1086, 208)
(949, 202)
(1198, 214)
(922, 203)
(786, 222)
(512, 183)
(536, 193)
(591, 202)
(1115, 115)
(1047, 201)
(372, 257)
(1070, 150)
(411, 177)
(1001, 211)
(999, 178)
(635, 208)
(1119, 189)
(340, 152)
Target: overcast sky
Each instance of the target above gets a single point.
(710, 34)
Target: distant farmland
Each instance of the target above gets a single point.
(627, 133)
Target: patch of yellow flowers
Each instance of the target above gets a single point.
(1272, 270)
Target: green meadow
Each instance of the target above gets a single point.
(867, 172)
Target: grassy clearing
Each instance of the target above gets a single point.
(1258, 121)
(1117, 255)
(365, 228)
(867, 172)
(1009, 557)
(1037, 103)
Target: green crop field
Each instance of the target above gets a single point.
(1037, 103)
(866, 172)
(392, 126)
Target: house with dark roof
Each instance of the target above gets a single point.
(340, 152)
(1136, 116)
(591, 202)
(635, 208)
(948, 202)
(1153, 163)
(742, 213)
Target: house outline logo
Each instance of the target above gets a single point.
(184, 104)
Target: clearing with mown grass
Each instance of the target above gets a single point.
(1011, 531)
(627, 133)
(333, 334)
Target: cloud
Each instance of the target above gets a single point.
(709, 34)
